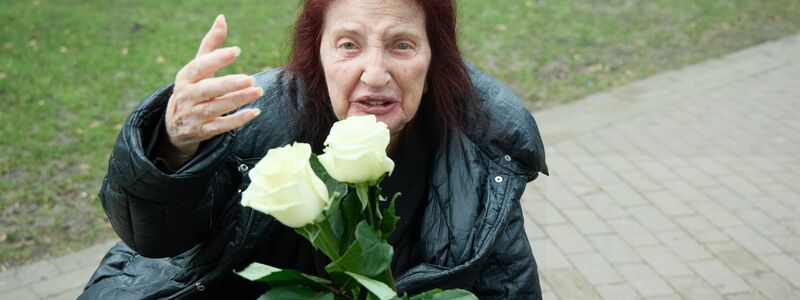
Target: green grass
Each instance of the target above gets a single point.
(70, 71)
(553, 51)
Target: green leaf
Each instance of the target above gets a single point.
(336, 189)
(344, 216)
(455, 294)
(278, 277)
(318, 168)
(292, 292)
(256, 271)
(356, 291)
(335, 218)
(321, 237)
(389, 220)
(379, 289)
(437, 294)
(395, 196)
(362, 189)
(368, 255)
(343, 282)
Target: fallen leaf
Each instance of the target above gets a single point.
(123, 51)
(3, 237)
(160, 60)
(32, 43)
(3, 76)
(501, 27)
(83, 167)
(94, 124)
(8, 45)
(63, 49)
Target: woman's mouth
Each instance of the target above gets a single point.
(375, 105)
(374, 102)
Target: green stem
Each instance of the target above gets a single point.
(371, 214)
(343, 289)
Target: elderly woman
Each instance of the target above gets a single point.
(464, 147)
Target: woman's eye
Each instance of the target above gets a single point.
(403, 46)
(348, 46)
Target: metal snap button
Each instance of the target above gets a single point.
(243, 168)
(199, 286)
(507, 158)
(498, 179)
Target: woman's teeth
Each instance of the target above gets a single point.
(375, 102)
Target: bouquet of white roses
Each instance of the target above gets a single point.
(335, 202)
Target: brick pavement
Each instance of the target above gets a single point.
(57, 278)
(683, 185)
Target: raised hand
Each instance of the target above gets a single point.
(195, 111)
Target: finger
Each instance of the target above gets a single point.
(218, 106)
(229, 102)
(214, 87)
(205, 65)
(215, 36)
(230, 122)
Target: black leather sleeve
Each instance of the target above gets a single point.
(510, 272)
(158, 212)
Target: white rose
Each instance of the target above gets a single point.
(284, 185)
(355, 150)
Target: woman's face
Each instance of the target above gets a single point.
(375, 54)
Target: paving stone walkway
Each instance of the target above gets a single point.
(685, 185)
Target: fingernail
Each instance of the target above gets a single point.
(256, 112)
(237, 51)
(260, 91)
(221, 17)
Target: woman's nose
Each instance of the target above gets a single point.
(375, 73)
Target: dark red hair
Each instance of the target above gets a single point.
(446, 104)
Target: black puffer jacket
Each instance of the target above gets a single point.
(184, 232)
